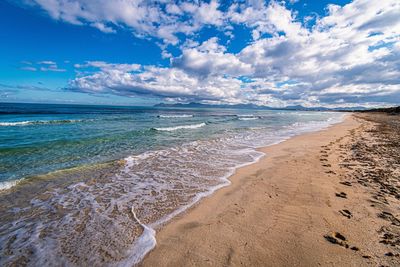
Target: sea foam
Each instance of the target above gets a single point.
(180, 127)
(23, 123)
(174, 116)
(8, 184)
(151, 188)
(248, 118)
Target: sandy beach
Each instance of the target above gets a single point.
(199, 133)
(328, 198)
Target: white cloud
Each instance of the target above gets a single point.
(44, 65)
(208, 13)
(158, 19)
(104, 66)
(337, 55)
(52, 68)
(47, 62)
(351, 55)
(273, 18)
(210, 59)
(28, 68)
(102, 27)
(173, 9)
(156, 81)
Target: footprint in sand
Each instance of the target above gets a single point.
(337, 238)
(341, 194)
(346, 183)
(346, 213)
(389, 217)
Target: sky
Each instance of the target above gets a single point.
(131, 52)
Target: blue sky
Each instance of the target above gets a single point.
(276, 53)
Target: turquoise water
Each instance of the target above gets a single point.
(32, 144)
(161, 162)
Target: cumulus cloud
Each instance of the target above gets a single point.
(159, 19)
(208, 13)
(210, 58)
(340, 53)
(155, 81)
(349, 56)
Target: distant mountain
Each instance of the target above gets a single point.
(199, 105)
(250, 106)
(300, 107)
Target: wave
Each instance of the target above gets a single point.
(147, 241)
(155, 186)
(248, 118)
(8, 184)
(24, 123)
(173, 116)
(174, 128)
(245, 115)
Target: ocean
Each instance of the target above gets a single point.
(89, 185)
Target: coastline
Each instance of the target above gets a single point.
(78, 198)
(148, 241)
(278, 211)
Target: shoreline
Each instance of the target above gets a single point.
(277, 211)
(92, 186)
(55, 196)
(151, 229)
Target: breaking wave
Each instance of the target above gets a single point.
(23, 123)
(174, 116)
(179, 127)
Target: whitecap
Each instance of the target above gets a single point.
(15, 123)
(174, 116)
(23, 123)
(248, 118)
(8, 184)
(245, 115)
(174, 128)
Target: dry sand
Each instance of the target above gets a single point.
(310, 202)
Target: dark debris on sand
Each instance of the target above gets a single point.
(374, 162)
(371, 158)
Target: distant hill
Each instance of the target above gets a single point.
(251, 106)
(199, 105)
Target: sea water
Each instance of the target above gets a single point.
(88, 185)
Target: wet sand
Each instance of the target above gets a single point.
(329, 198)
